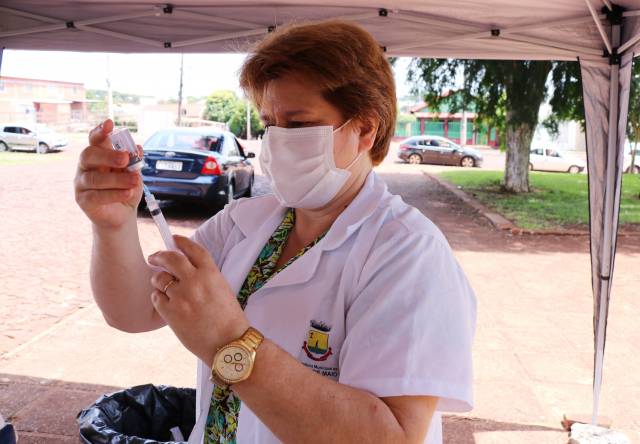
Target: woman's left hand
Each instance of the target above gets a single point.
(200, 307)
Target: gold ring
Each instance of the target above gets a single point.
(169, 284)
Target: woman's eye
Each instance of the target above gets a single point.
(300, 124)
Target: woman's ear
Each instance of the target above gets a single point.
(368, 130)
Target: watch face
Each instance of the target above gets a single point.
(232, 363)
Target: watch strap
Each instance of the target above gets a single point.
(252, 338)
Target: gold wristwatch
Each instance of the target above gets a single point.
(233, 362)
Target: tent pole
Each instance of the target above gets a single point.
(605, 259)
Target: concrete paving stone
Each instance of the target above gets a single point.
(15, 396)
(555, 366)
(84, 349)
(547, 340)
(488, 338)
(572, 399)
(494, 400)
(46, 438)
(519, 319)
(462, 430)
(54, 412)
(498, 365)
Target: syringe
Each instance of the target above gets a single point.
(159, 219)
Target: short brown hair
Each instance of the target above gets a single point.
(340, 56)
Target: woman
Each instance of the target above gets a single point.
(328, 311)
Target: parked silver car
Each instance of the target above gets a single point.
(48, 139)
(18, 138)
(38, 138)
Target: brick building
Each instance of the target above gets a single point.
(42, 101)
(447, 124)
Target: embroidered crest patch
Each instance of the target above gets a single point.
(317, 344)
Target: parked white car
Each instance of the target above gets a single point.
(18, 138)
(39, 138)
(48, 139)
(546, 159)
(626, 166)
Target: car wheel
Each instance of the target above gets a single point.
(573, 169)
(467, 162)
(3, 147)
(530, 167)
(415, 159)
(43, 148)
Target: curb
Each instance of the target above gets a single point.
(497, 220)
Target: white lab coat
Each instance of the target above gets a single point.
(380, 303)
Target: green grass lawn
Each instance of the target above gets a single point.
(15, 158)
(557, 200)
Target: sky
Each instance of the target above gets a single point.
(145, 74)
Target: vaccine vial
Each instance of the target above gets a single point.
(122, 141)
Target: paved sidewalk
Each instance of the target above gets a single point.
(533, 352)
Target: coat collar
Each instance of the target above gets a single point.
(270, 212)
(266, 209)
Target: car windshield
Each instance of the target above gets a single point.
(172, 140)
(43, 129)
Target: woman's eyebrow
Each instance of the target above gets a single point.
(289, 114)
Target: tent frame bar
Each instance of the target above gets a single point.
(82, 24)
(513, 34)
(213, 19)
(468, 30)
(596, 20)
(86, 25)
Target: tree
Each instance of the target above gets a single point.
(633, 126)
(225, 106)
(220, 106)
(238, 122)
(507, 94)
(568, 102)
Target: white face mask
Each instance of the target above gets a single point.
(299, 164)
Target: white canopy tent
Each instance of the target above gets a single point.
(602, 36)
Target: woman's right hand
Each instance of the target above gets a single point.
(106, 192)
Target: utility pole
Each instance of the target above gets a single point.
(109, 92)
(180, 90)
(463, 126)
(248, 119)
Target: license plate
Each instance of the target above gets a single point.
(168, 165)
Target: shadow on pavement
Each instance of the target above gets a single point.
(461, 430)
(44, 410)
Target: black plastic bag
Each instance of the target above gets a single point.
(7, 433)
(144, 414)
